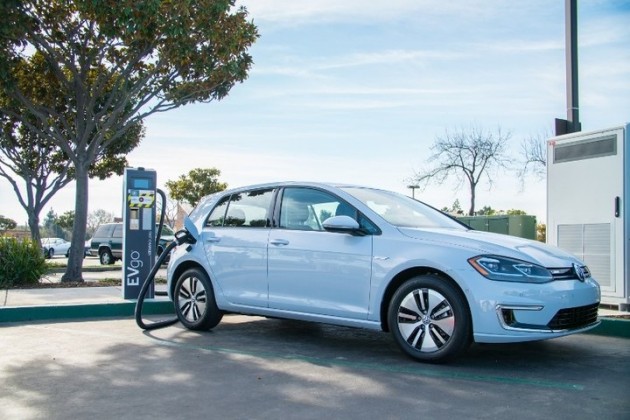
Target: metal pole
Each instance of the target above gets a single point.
(413, 190)
(573, 107)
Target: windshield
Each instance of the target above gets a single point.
(402, 211)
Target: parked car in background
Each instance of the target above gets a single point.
(88, 248)
(55, 246)
(107, 242)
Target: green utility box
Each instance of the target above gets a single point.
(521, 226)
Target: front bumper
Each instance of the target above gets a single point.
(564, 320)
(529, 312)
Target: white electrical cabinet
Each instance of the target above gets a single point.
(588, 187)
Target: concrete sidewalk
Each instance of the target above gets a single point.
(72, 303)
(67, 296)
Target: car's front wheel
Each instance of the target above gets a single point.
(194, 301)
(51, 253)
(429, 319)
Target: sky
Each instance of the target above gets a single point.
(357, 91)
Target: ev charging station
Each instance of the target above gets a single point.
(139, 217)
(588, 188)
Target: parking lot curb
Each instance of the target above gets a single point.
(97, 269)
(76, 312)
(613, 327)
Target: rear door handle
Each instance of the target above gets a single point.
(213, 239)
(279, 242)
(617, 206)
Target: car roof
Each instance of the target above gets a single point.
(288, 184)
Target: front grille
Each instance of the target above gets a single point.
(568, 273)
(572, 318)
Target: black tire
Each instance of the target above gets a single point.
(429, 319)
(51, 253)
(194, 301)
(106, 257)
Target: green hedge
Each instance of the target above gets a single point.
(21, 262)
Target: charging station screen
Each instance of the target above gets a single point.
(141, 183)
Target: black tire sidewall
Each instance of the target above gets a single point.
(461, 336)
(106, 257)
(212, 315)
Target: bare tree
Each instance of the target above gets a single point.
(170, 212)
(534, 155)
(97, 218)
(469, 155)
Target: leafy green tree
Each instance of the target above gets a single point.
(516, 212)
(51, 227)
(486, 211)
(468, 155)
(541, 232)
(6, 224)
(43, 166)
(456, 208)
(196, 185)
(66, 220)
(115, 62)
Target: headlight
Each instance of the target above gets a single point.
(509, 269)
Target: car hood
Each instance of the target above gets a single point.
(496, 244)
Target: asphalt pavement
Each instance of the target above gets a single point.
(252, 367)
(96, 363)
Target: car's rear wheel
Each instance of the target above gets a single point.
(429, 319)
(195, 305)
(106, 257)
(51, 253)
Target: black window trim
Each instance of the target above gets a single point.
(228, 198)
(280, 195)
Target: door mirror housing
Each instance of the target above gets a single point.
(344, 224)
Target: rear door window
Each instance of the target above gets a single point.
(117, 231)
(245, 209)
(249, 209)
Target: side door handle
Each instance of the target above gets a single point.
(279, 242)
(213, 239)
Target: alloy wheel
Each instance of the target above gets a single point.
(426, 320)
(192, 299)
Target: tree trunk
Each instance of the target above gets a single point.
(471, 212)
(74, 271)
(33, 225)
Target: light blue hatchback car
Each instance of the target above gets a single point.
(369, 258)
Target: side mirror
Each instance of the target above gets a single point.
(344, 224)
